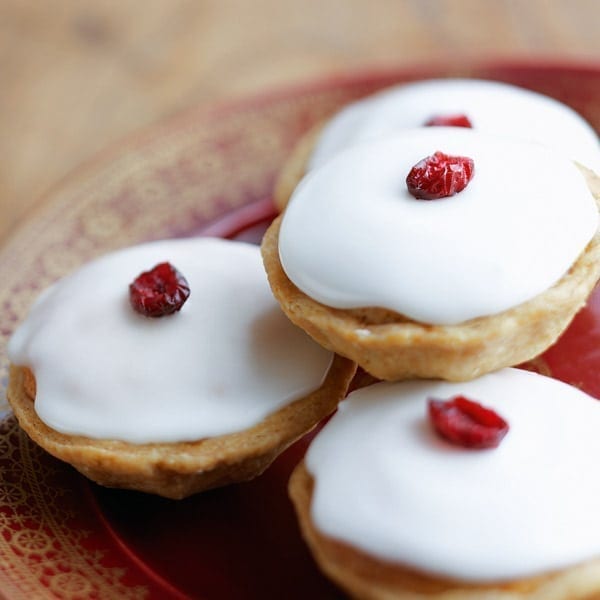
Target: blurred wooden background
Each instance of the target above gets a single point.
(76, 75)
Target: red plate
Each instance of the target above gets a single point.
(202, 172)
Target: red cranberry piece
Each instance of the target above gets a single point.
(449, 121)
(440, 176)
(161, 291)
(467, 423)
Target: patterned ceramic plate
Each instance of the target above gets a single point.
(63, 537)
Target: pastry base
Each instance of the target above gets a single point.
(177, 470)
(366, 577)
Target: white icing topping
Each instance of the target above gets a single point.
(491, 106)
(387, 485)
(222, 364)
(353, 236)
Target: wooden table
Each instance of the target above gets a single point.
(76, 75)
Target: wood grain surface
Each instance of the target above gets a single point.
(76, 75)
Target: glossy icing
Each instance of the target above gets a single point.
(353, 236)
(491, 106)
(222, 364)
(386, 484)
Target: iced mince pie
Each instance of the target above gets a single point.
(169, 368)
(441, 252)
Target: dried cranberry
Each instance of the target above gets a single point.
(161, 291)
(467, 423)
(440, 176)
(449, 121)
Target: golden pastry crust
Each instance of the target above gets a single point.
(177, 470)
(393, 347)
(364, 576)
(294, 167)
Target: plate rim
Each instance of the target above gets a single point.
(143, 135)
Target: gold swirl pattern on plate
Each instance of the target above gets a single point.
(42, 554)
